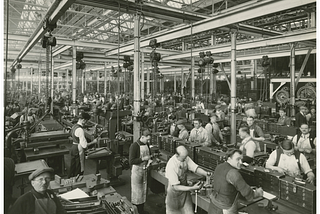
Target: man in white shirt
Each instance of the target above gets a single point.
(78, 146)
(287, 160)
(214, 131)
(178, 199)
(247, 146)
(198, 134)
(304, 141)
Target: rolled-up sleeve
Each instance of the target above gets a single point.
(82, 139)
(235, 178)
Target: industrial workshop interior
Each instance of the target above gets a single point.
(159, 106)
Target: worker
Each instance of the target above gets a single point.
(213, 130)
(9, 171)
(79, 145)
(40, 199)
(228, 184)
(173, 130)
(220, 116)
(178, 199)
(31, 117)
(304, 141)
(256, 132)
(183, 132)
(247, 146)
(283, 120)
(199, 134)
(301, 117)
(139, 159)
(287, 160)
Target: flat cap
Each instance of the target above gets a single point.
(180, 122)
(39, 172)
(218, 106)
(146, 132)
(84, 115)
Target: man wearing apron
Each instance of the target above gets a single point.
(227, 185)
(256, 132)
(139, 158)
(39, 200)
(178, 198)
(78, 146)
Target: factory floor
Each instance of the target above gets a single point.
(155, 203)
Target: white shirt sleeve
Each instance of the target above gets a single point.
(272, 159)
(82, 140)
(192, 166)
(294, 141)
(250, 148)
(305, 167)
(171, 172)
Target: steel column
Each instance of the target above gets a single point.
(74, 77)
(136, 85)
(233, 86)
(52, 81)
(142, 77)
(292, 78)
(148, 80)
(105, 79)
(192, 78)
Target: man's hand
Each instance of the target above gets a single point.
(310, 177)
(258, 193)
(146, 158)
(279, 169)
(197, 186)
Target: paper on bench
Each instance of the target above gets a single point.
(268, 196)
(74, 194)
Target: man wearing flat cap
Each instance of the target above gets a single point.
(139, 159)
(183, 133)
(287, 160)
(78, 146)
(39, 200)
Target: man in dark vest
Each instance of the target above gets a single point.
(293, 163)
(305, 140)
(78, 146)
(40, 199)
(228, 184)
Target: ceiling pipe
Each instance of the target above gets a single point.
(56, 10)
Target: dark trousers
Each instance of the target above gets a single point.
(75, 167)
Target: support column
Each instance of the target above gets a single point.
(233, 85)
(175, 82)
(83, 73)
(74, 79)
(313, 19)
(182, 81)
(52, 81)
(67, 77)
(98, 75)
(105, 79)
(213, 39)
(136, 83)
(39, 79)
(192, 78)
(148, 80)
(31, 74)
(292, 78)
(142, 77)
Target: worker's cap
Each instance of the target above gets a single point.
(146, 132)
(38, 172)
(180, 122)
(218, 106)
(287, 145)
(303, 107)
(84, 115)
(312, 107)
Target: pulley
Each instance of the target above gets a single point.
(282, 96)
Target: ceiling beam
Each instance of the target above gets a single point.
(55, 11)
(253, 9)
(63, 41)
(299, 36)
